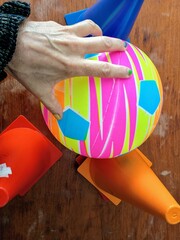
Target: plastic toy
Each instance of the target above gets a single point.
(120, 13)
(130, 178)
(112, 117)
(25, 156)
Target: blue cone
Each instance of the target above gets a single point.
(115, 17)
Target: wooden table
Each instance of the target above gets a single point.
(63, 205)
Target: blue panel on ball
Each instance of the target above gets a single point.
(149, 98)
(73, 125)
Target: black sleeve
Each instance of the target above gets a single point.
(11, 16)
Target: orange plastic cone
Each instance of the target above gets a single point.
(130, 178)
(25, 155)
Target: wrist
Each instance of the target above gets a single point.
(12, 14)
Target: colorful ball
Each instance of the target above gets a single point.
(104, 118)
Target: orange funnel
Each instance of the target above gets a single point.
(130, 178)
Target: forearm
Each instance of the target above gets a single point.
(12, 13)
(3, 1)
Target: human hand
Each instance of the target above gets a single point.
(47, 52)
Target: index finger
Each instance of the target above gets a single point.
(102, 44)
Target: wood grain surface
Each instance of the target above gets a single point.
(63, 205)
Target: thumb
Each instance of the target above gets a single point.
(51, 102)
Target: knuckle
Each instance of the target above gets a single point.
(65, 29)
(91, 23)
(75, 46)
(107, 42)
(66, 66)
(62, 30)
(106, 70)
(71, 68)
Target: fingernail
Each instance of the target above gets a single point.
(125, 44)
(130, 72)
(57, 116)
